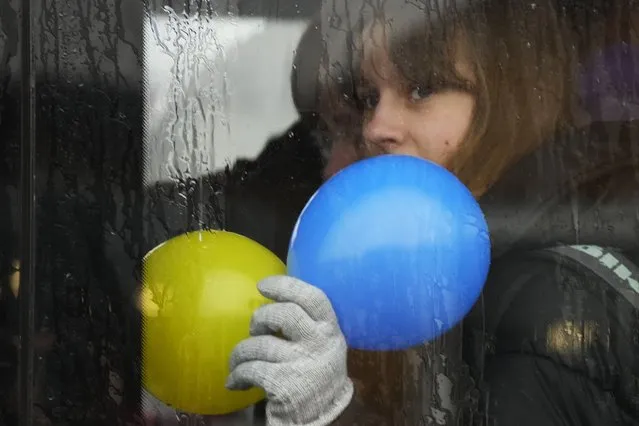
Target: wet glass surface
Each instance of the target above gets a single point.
(156, 118)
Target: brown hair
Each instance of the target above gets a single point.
(522, 58)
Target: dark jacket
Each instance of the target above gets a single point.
(551, 342)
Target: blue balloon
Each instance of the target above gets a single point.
(400, 247)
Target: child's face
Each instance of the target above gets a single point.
(404, 118)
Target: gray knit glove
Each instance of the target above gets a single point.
(304, 375)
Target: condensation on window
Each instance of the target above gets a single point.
(161, 117)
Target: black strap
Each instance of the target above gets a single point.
(610, 265)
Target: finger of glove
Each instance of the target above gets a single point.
(288, 319)
(263, 348)
(251, 374)
(283, 288)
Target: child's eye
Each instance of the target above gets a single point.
(420, 93)
(368, 99)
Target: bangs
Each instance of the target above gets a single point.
(429, 56)
(424, 45)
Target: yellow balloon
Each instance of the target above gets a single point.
(198, 295)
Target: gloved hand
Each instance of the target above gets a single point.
(303, 374)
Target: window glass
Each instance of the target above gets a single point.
(152, 119)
